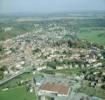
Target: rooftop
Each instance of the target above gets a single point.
(56, 88)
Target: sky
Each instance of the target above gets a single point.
(50, 6)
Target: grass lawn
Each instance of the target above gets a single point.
(18, 93)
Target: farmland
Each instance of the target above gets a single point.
(95, 35)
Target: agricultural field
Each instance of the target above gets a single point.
(94, 35)
(92, 30)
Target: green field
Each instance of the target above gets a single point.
(18, 93)
(92, 35)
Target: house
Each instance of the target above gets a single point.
(59, 67)
(40, 68)
(38, 80)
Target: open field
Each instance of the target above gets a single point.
(93, 35)
(18, 93)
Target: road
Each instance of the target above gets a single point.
(15, 75)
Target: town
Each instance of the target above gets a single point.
(52, 62)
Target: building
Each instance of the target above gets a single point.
(54, 90)
(58, 89)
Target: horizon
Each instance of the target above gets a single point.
(84, 13)
(50, 6)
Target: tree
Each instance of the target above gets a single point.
(70, 44)
(103, 54)
(1, 75)
(103, 78)
(99, 74)
(1, 49)
(103, 86)
(36, 51)
(51, 64)
(3, 68)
